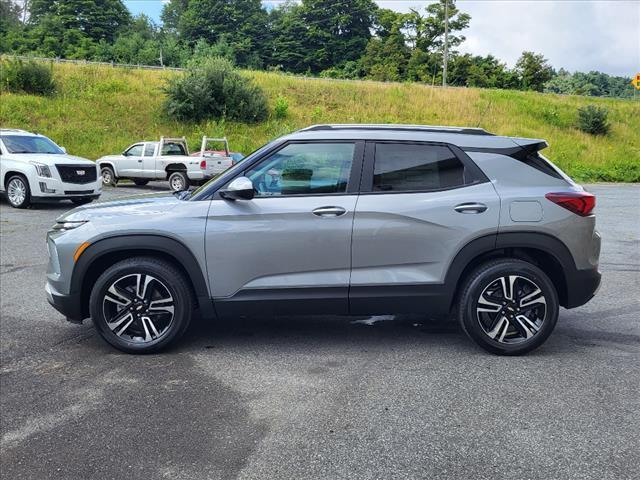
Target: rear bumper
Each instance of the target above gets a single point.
(582, 285)
(67, 305)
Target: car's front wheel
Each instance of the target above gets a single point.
(108, 176)
(141, 305)
(508, 306)
(18, 192)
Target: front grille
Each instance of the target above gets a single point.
(77, 173)
(77, 192)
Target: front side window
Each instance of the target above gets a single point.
(29, 144)
(149, 148)
(135, 151)
(304, 169)
(409, 167)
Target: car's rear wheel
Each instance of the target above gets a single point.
(508, 307)
(141, 305)
(108, 176)
(18, 192)
(178, 181)
(140, 182)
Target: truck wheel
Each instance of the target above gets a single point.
(508, 307)
(18, 192)
(178, 181)
(141, 304)
(140, 182)
(108, 176)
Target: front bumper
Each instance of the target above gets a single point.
(582, 285)
(51, 188)
(68, 305)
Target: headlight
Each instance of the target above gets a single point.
(42, 169)
(64, 226)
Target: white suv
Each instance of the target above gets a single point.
(33, 168)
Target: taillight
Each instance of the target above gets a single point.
(580, 203)
(203, 165)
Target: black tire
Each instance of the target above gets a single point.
(20, 182)
(178, 178)
(140, 182)
(168, 278)
(108, 176)
(504, 331)
(82, 201)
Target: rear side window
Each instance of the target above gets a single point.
(173, 149)
(409, 167)
(149, 148)
(536, 161)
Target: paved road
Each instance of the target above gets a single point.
(321, 397)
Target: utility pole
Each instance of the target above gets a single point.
(446, 42)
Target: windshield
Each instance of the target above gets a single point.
(28, 144)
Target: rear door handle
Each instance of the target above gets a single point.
(470, 208)
(329, 211)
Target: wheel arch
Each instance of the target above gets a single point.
(547, 252)
(104, 253)
(109, 164)
(12, 173)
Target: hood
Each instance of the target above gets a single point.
(51, 159)
(145, 204)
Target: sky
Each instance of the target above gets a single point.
(578, 35)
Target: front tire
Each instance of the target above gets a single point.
(178, 181)
(508, 306)
(108, 176)
(141, 305)
(18, 191)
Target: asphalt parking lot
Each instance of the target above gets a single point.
(320, 397)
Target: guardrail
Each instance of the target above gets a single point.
(90, 62)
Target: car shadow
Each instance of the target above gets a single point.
(151, 187)
(42, 205)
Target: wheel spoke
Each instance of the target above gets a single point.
(125, 318)
(527, 326)
(501, 327)
(161, 306)
(118, 296)
(487, 305)
(148, 324)
(142, 283)
(507, 284)
(533, 298)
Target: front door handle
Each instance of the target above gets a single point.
(470, 208)
(140, 161)
(329, 211)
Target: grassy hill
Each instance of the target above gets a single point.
(101, 110)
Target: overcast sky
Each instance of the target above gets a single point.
(579, 35)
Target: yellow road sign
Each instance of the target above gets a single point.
(636, 81)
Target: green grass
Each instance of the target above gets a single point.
(102, 110)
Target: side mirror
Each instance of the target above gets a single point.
(64, 150)
(240, 189)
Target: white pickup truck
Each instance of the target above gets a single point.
(167, 159)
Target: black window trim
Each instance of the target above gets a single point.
(352, 185)
(366, 185)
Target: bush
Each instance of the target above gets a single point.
(213, 89)
(28, 77)
(281, 108)
(593, 120)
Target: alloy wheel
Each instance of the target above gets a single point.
(17, 191)
(511, 309)
(138, 308)
(107, 177)
(177, 184)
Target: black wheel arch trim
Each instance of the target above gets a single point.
(147, 243)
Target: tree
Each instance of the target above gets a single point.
(533, 71)
(97, 19)
(243, 22)
(427, 32)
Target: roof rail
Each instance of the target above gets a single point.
(399, 127)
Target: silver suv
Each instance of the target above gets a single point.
(341, 219)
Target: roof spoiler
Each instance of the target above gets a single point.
(531, 145)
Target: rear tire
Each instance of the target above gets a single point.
(140, 182)
(18, 191)
(178, 181)
(508, 306)
(141, 305)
